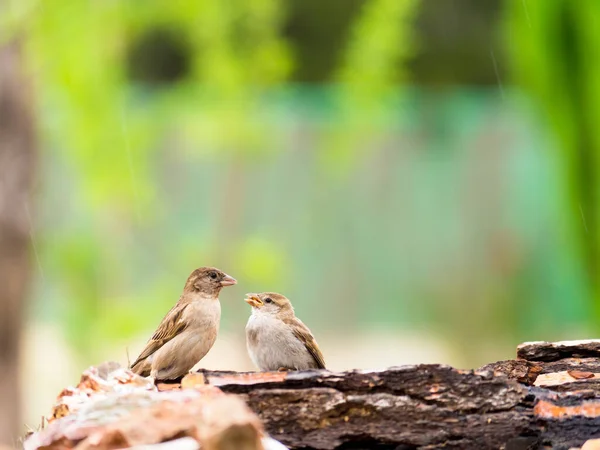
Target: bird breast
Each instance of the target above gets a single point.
(272, 345)
(182, 352)
(203, 315)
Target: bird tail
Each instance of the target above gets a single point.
(141, 368)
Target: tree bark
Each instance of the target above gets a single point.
(424, 406)
(17, 157)
(550, 401)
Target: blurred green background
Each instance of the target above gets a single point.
(418, 176)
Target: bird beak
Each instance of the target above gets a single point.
(253, 300)
(228, 281)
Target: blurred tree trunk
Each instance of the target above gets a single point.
(17, 157)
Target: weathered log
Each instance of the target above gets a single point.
(117, 409)
(521, 404)
(527, 372)
(415, 406)
(555, 351)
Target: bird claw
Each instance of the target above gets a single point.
(282, 369)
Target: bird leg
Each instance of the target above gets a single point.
(282, 369)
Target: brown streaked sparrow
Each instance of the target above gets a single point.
(189, 329)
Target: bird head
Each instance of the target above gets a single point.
(269, 303)
(208, 280)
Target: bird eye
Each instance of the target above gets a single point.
(213, 275)
(268, 300)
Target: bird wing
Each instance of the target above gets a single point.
(302, 332)
(171, 325)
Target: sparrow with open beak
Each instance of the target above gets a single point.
(276, 338)
(189, 329)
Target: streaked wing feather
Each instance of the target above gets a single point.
(302, 332)
(169, 327)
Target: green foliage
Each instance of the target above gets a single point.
(79, 51)
(381, 41)
(106, 125)
(554, 47)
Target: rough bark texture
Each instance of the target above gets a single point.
(514, 405)
(114, 408)
(555, 351)
(416, 406)
(17, 157)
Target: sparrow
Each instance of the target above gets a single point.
(189, 329)
(276, 339)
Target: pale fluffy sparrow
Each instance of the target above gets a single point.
(276, 338)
